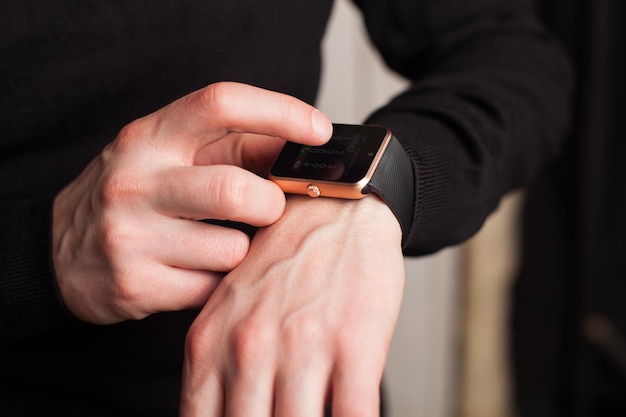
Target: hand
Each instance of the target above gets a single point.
(125, 238)
(306, 318)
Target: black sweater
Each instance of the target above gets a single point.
(486, 108)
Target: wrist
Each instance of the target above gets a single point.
(369, 218)
(357, 161)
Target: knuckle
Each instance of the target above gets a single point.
(127, 292)
(128, 272)
(115, 187)
(119, 186)
(348, 343)
(288, 109)
(234, 195)
(234, 249)
(230, 194)
(216, 99)
(112, 239)
(201, 349)
(134, 132)
(301, 331)
(195, 341)
(251, 341)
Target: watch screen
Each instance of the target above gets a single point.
(346, 157)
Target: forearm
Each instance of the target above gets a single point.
(487, 106)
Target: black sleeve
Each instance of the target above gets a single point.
(29, 300)
(487, 105)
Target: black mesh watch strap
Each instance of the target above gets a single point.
(393, 182)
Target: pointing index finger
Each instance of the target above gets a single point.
(212, 112)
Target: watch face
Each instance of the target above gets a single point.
(346, 157)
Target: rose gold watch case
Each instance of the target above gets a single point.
(322, 188)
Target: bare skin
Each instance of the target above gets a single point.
(306, 319)
(125, 242)
(300, 317)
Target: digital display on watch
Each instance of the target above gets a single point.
(346, 157)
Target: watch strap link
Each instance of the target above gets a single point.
(393, 182)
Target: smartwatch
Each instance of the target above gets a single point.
(356, 161)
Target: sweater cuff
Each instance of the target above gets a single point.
(427, 142)
(30, 302)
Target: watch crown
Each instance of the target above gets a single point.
(313, 190)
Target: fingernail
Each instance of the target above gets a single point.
(322, 127)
